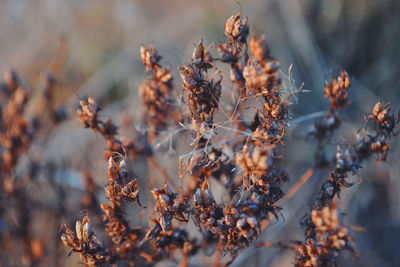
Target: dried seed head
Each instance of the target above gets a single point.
(256, 161)
(86, 229)
(259, 48)
(189, 76)
(261, 77)
(337, 91)
(202, 57)
(123, 170)
(150, 57)
(78, 229)
(237, 28)
(113, 170)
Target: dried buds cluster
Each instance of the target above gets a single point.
(149, 57)
(120, 188)
(384, 119)
(202, 93)
(88, 114)
(16, 132)
(337, 91)
(376, 141)
(237, 28)
(164, 236)
(234, 225)
(156, 91)
(232, 51)
(324, 237)
(261, 72)
(168, 206)
(214, 164)
(263, 79)
(330, 238)
(250, 171)
(350, 160)
(85, 243)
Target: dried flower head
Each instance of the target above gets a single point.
(328, 238)
(156, 91)
(84, 242)
(150, 57)
(237, 28)
(337, 91)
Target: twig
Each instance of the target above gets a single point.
(299, 184)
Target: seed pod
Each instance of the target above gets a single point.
(164, 199)
(123, 170)
(126, 190)
(198, 52)
(112, 170)
(197, 197)
(78, 229)
(86, 229)
(149, 57)
(207, 195)
(202, 56)
(187, 77)
(377, 108)
(68, 241)
(165, 221)
(92, 103)
(143, 55)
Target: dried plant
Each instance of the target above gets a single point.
(254, 191)
(224, 192)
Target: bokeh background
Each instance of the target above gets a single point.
(97, 43)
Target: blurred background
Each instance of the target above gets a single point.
(93, 46)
